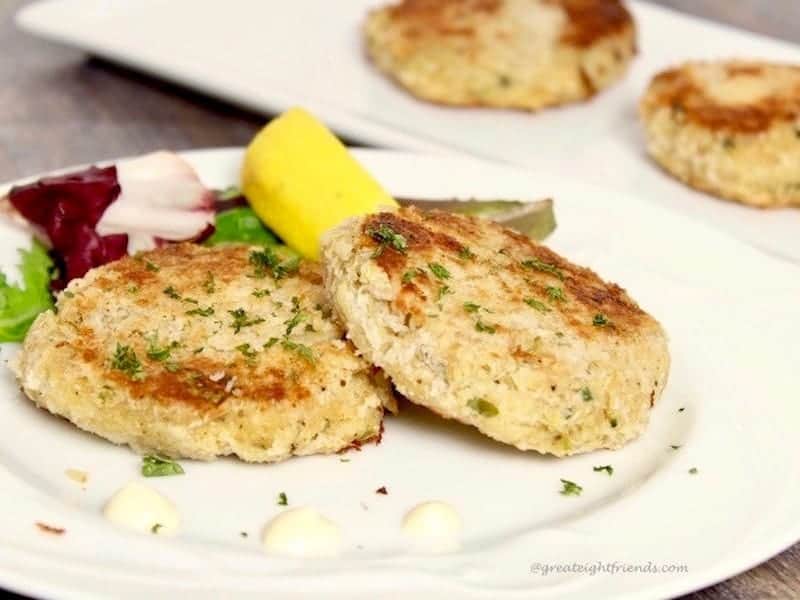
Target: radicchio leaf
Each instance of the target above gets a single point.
(68, 208)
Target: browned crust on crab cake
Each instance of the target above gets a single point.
(190, 352)
(523, 54)
(485, 326)
(730, 128)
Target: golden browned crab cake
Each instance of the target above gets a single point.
(201, 352)
(524, 54)
(729, 128)
(482, 325)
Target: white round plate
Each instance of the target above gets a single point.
(653, 529)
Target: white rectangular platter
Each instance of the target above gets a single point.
(268, 55)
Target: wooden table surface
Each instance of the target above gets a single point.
(59, 108)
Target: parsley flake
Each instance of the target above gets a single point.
(159, 353)
(172, 293)
(411, 274)
(556, 294)
(125, 360)
(466, 254)
(386, 236)
(570, 488)
(156, 466)
(242, 320)
(536, 304)
(247, 351)
(201, 312)
(301, 349)
(484, 327)
(155, 528)
(543, 267)
(438, 270)
(483, 407)
(471, 307)
(282, 499)
(267, 260)
(209, 284)
(600, 320)
(693, 471)
(586, 394)
(607, 468)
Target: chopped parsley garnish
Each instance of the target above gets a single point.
(201, 312)
(261, 293)
(600, 320)
(156, 466)
(301, 349)
(247, 351)
(242, 320)
(159, 353)
(133, 289)
(612, 422)
(172, 367)
(271, 342)
(344, 460)
(607, 468)
(483, 407)
(693, 471)
(410, 274)
(243, 534)
(172, 293)
(209, 284)
(282, 499)
(471, 307)
(267, 260)
(465, 253)
(586, 394)
(443, 291)
(539, 265)
(675, 446)
(386, 236)
(155, 528)
(556, 294)
(297, 317)
(439, 270)
(484, 327)
(125, 360)
(570, 488)
(681, 409)
(151, 266)
(534, 303)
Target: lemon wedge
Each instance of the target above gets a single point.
(301, 181)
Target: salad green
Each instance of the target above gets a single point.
(241, 225)
(19, 305)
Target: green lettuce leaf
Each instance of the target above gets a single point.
(19, 305)
(241, 225)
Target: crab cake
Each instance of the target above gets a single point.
(524, 54)
(728, 128)
(482, 325)
(201, 352)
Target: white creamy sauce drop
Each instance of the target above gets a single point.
(433, 527)
(302, 532)
(141, 508)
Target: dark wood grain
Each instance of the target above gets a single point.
(58, 108)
